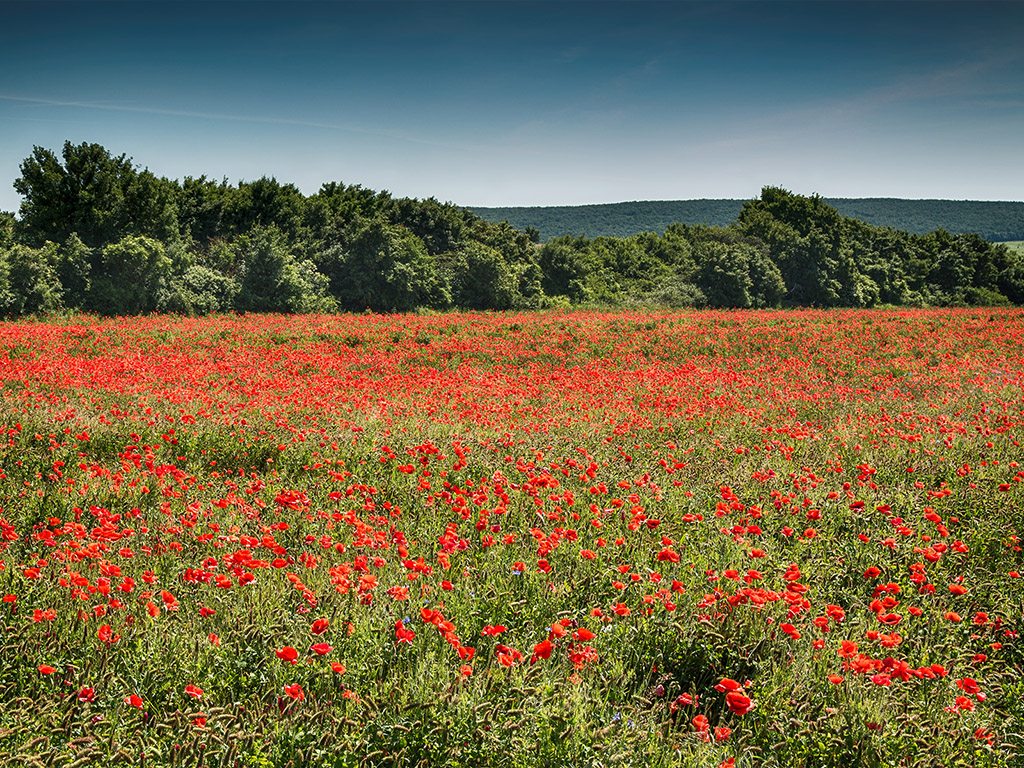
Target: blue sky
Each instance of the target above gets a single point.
(518, 103)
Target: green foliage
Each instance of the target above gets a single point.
(387, 269)
(7, 297)
(28, 282)
(129, 242)
(273, 280)
(737, 274)
(438, 226)
(74, 267)
(966, 269)
(100, 197)
(804, 236)
(677, 293)
(7, 227)
(564, 268)
(528, 282)
(672, 249)
(201, 208)
(200, 290)
(262, 203)
(480, 278)
(130, 277)
(768, 287)
(724, 276)
(351, 202)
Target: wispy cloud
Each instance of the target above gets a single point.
(178, 113)
(848, 114)
(571, 54)
(955, 83)
(218, 116)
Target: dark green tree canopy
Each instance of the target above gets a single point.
(97, 233)
(94, 194)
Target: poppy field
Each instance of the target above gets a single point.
(572, 539)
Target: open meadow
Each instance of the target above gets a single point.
(777, 538)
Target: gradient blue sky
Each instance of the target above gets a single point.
(516, 103)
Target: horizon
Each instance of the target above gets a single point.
(755, 197)
(526, 104)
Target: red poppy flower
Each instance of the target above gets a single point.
(295, 691)
(968, 684)
(45, 669)
(739, 703)
(835, 612)
(194, 691)
(134, 701)
(288, 654)
(687, 700)
(542, 650)
(106, 635)
(319, 626)
(321, 649)
(847, 649)
(403, 634)
(668, 555)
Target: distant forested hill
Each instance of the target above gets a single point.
(998, 221)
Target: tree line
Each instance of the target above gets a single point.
(96, 233)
